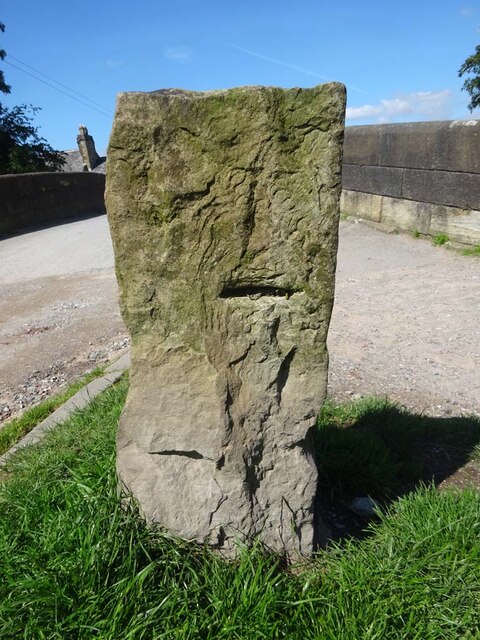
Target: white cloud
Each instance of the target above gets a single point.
(113, 64)
(294, 67)
(177, 53)
(429, 105)
(466, 12)
(282, 63)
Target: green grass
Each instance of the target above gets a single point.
(473, 251)
(440, 239)
(75, 565)
(13, 430)
(373, 447)
(416, 233)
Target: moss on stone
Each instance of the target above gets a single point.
(224, 210)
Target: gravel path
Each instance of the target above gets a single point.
(59, 315)
(406, 323)
(406, 320)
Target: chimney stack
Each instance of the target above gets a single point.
(86, 146)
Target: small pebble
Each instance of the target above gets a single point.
(363, 506)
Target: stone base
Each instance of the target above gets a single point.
(460, 225)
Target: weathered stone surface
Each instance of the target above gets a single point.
(442, 187)
(452, 145)
(223, 209)
(378, 180)
(408, 215)
(460, 225)
(364, 205)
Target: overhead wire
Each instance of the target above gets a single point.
(103, 110)
(61, 84)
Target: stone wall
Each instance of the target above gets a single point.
(38, 199)
(419, 176)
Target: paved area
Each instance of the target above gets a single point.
(59, 314)
(67, 249)
(405, 322)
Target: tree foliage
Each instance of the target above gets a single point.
(471, 66)
(4, 87)
(22, 150)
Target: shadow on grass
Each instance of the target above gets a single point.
(375, 449)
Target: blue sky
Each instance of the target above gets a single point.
(399, 60)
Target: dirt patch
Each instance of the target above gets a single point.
(59, 314)
(405, 320)
(53, 330)
(405, 323)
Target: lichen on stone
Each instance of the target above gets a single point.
(223, 208)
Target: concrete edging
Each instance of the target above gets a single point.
(79, 401)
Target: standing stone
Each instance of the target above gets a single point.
(223, 208)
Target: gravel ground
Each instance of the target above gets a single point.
(59, 315)
(405, 322)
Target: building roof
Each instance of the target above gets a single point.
(74, 163)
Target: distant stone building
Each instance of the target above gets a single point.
(85, 158)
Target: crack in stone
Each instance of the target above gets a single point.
(255, 291)
(196, 455)
(221, 500)
(283, 372)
